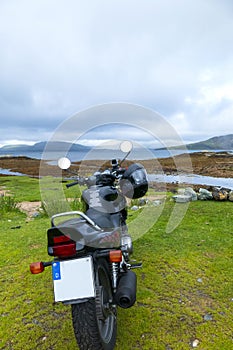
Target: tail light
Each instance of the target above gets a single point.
(60, 245)
(64, 250)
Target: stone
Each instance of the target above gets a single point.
(208, 317)
(195, 343)
(230, 197)
(134, 207)
(142, 201)
(204, 194)
(189, 191)
(220, 194)
(179, 198)
(157, 202)
(181, 191)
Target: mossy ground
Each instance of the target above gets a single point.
(185, 288)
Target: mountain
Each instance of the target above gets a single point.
(40, 146)
(214, 143)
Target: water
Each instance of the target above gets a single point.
(97, 153)
(135, 154)
(9, 172)
(94, 154)
(193, 179)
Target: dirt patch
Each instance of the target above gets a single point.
(30, 208)
(4, 192)
(28, 166)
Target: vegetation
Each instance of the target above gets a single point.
(7, 204)
(22, 187)
(185, 288)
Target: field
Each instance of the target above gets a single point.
(185, 288)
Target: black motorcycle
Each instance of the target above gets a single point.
(91, 266)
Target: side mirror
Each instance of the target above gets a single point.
(64, 163)
(126, 146)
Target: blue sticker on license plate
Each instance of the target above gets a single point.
(56, 271)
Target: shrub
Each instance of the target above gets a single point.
(8, 204)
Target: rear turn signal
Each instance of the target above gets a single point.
(36, 267)
(115, 256)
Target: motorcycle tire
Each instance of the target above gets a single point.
(94, 322)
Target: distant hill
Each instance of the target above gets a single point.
(39, 147)
(218, 142)
(214, 143)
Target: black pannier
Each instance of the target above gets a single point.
(134, 183)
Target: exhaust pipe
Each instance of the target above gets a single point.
(125, 296)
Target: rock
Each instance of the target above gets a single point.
(230, 197)
(199, 280)
(208, 317)
(189, 191)
(204, 194)
(181, 191)
(156, 203)
(181, 198)
(134, 207)
(195, 343)
(142, 202)
(220, 194)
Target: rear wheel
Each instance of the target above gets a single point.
(94, 321)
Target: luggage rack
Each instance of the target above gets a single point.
(80, 213)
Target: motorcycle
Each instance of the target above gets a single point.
(91, 265)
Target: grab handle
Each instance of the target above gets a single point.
(84, 216)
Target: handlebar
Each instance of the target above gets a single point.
(103, 178)
(72, 184)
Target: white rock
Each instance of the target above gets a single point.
(134, 207)
(182, 198)
(195, 343)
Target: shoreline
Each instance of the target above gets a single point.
(210, 164)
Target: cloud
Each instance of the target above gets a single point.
(61, 57)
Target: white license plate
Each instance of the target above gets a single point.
(73, 279)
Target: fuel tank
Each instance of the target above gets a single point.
(105, 199)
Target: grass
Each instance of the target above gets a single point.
(7, 204)
(186, 275)
(185, 288)
(23, 187)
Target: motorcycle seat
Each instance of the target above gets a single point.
(79, 230)
(107, 221)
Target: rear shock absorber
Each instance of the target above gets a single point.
(115, 270)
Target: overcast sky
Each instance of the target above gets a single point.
(60, 57)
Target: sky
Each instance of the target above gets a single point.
(58, 58)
